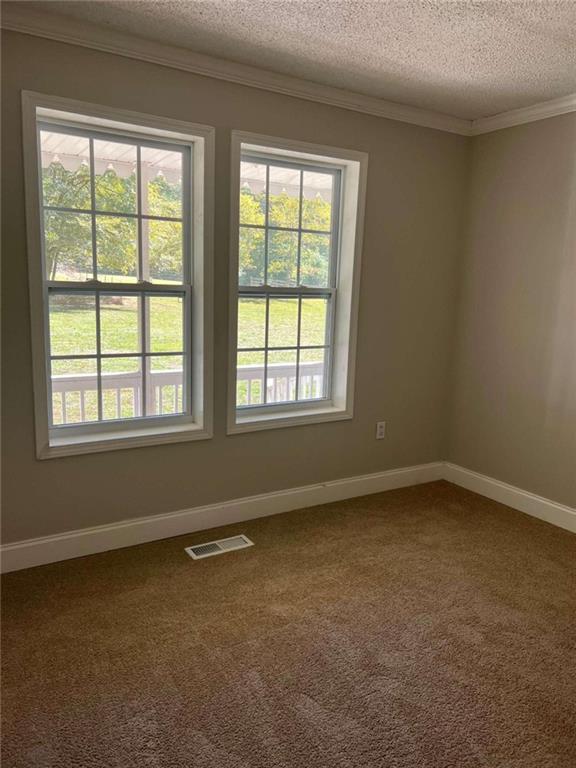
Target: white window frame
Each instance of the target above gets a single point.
(196, 424)
(352, 166)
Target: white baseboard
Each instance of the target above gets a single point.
(88, 541)
(524, 501)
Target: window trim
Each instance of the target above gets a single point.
(353, 167)
(197, 425)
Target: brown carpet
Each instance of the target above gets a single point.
(420, 628)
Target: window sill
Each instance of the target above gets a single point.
(100, 442)
(251, 422)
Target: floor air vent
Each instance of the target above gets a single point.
(199, 551)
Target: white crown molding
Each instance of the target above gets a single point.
(531, 114)
(127, 533)
(18, 18)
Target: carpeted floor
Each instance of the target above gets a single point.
(420, 628)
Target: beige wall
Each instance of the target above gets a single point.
(514, 414)
(415, 204)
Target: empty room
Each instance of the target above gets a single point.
(288, 384)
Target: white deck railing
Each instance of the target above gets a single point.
(281, 382)
(75, 395)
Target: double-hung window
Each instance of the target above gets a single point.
(117, 246)
(295, 255)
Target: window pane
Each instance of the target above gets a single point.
(121, 387)
(120, 319)
(65, 170)
(72, 324)
(252, 193)
(165, 324)
(250, 378)
(161, 182)
(313, 322)
(162, 246)
(251, 322)
(281, 377)
(283, 322)
(115, 176)
(164, 385)
(74, 391)
(284, 197)
(68, 246)
(317, 200)
(314, 260)
(117, 248)
(312, 374)
(282, 258)
(115, 210)
(251, 256)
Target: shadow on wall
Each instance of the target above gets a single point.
(561, 363)
(514, 398)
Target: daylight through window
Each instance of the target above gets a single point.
(116, 244)
(286, 280)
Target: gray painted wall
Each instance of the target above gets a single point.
(467, 327)
(514, 396)
(415, 205)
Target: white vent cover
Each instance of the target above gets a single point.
(199, 551)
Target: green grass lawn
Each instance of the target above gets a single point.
(73, 330)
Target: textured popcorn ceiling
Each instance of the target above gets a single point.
(468, 58)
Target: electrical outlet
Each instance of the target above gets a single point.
(380, 430)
